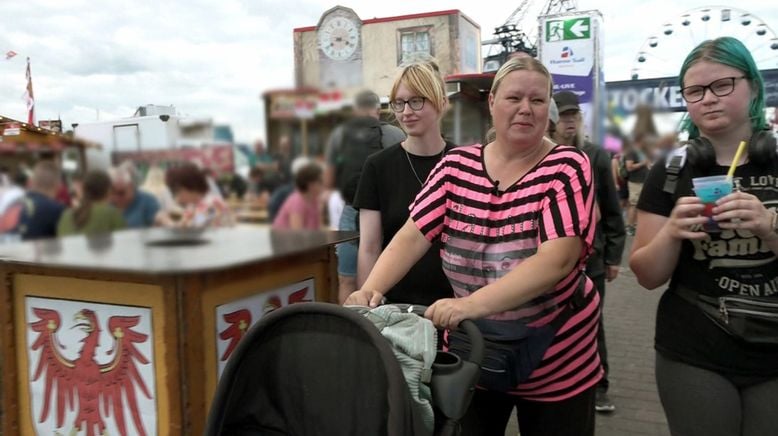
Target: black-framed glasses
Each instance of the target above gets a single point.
(719, 88)
(416, 103)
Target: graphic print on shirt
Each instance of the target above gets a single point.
(739, 262)
(478, 251)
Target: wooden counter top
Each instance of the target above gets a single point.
(164, 251)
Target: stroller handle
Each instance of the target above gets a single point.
(468, 326)
(476, 340)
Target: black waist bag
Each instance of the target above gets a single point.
(512, 351)
(750, 319)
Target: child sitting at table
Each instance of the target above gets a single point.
(302, 210)
(190, 188)
(93, 215)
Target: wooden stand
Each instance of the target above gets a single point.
(92, 313)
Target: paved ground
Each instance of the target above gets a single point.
(630, 311)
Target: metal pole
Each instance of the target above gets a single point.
(458, 121)
(304, 131)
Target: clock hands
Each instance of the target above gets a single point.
(339, 38)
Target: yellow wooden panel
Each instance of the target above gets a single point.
(287, 273)
(92, 291)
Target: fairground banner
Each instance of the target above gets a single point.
(664, 94)
(569, 46)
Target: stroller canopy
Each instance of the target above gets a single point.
(313, 369)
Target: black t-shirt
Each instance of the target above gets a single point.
(638, 175)
(389, 185)
(729, 263)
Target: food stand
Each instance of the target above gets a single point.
(299, 115)
(129, 332)
(23, 144)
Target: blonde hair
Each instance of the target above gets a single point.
(422, 79)
(46, 176)
(520, 64)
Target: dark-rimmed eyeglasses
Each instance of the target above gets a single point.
(416, 104)
(719, 88)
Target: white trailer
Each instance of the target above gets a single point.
(144, 133)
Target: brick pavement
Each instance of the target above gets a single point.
(630, 312)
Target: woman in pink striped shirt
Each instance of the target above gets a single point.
(515, 220)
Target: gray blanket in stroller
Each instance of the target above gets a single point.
(414, 342)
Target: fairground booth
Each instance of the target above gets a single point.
(22, 145)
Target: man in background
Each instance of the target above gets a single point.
(347, 150)
(138, 208)
(610, 235)
(638, 164)
(41, 212)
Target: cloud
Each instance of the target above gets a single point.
(214, 58)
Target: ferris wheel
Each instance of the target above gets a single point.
(662, 53)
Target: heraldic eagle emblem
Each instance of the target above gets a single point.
(95, 390)
(239, 321)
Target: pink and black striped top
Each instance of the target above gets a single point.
(486, 233)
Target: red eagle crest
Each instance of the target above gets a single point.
(299, 296)
(84, 383)
(274, 302)
(239, 322)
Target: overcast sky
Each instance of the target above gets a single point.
(213, 58)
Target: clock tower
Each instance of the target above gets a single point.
(339, 39)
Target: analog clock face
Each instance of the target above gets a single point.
(338, 38)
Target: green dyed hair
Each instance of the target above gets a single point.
(731, 52)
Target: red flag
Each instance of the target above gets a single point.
(9, 54)
(29, 97)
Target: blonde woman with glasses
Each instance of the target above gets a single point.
(393, 177)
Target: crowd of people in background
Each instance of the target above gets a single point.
(292, 191)
(102, 201)
(144, 195)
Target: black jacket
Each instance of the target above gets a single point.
(610, 233)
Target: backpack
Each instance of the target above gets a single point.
(361, 138)
(674, 165)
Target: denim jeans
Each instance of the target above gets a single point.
(347, 251)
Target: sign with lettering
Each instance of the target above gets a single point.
(570, 50)
(664, 94)
(12, 129)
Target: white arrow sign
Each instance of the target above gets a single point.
(578, 28)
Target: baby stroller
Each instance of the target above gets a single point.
(321, 369)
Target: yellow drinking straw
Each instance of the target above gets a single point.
(738, 154)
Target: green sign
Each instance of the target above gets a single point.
(565, 30)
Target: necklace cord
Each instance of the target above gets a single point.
(408, 156)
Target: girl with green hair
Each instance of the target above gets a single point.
(712, 379)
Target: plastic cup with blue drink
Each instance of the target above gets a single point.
(709, 190)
